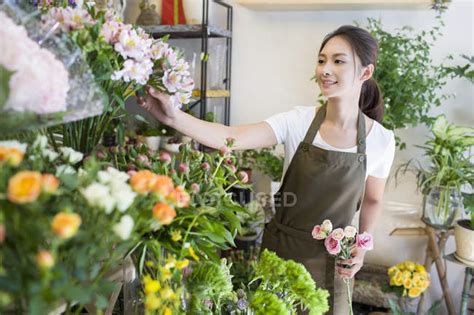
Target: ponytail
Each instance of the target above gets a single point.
(371, 100)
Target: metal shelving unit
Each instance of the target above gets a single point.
(205, 32)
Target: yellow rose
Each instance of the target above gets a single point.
(44, 260)
(410, 265)
(420, 268)
(406, 275)
(417, 282)
(65, 225)
(425, 284)
(392, 271)
(24, 187)
(414, 292)
(400, 266)
(407, 283)
(152, 302)
(398, 280)
(11, 156)
(167, 311)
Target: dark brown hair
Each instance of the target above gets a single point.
(366, 48)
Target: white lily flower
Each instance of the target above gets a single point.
(124, 228)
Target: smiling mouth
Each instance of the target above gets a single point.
(328, 83)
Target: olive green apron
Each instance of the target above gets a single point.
(318, 184)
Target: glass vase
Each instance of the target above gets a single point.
(441, 206)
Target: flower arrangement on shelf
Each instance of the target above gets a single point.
(340, 243)
(124, 59)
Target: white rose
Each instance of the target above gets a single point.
(326, 226)
(350, 231)
(64, 169)
(124, 197)
(124, 228)
(112, 175)
(98, 195)
(71, 155)
(49, 154)
(338, 234)
(41, 142)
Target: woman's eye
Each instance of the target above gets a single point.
(320, 61)
(339, 61)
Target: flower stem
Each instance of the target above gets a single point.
(349, 297)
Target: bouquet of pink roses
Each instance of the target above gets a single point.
(340, 243)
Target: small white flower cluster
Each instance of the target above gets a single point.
(69, 18)
(39, 82)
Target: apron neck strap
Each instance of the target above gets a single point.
(318, 120)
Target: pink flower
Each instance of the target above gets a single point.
(350, 231)
(165, 157)
(131, 45)
(327, 226)
(338, 234)
(318, 233)
(205, 166)
(332, 246)
(195, 187)
(132, 70)
(365, 241)
(183, 168)
(243, 177)
(171, 81)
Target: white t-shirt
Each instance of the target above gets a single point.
(290, 129)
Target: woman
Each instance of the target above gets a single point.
(337, 157)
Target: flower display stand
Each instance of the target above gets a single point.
(467, 287)
(436, 243)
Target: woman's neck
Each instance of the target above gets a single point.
(342, 114)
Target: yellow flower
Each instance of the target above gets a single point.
(406, 275)
(12, 156)
(407, 283)
(420, 268)
(397, 279)
(392, 271)
(170, 262)
(410, 265)
(152, 287)
(165, 274)
(176, 235)
(65, 225)
(192, 253)
(152, 302)
(414, 292)
(400, 266)
(149, 263)
(167, 293)
(45, 260)
(182, 264)
(167, 311)
(425, 284)
(24, 187)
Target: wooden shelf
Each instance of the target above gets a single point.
(300, 5)
(212, 93)
(186, 31)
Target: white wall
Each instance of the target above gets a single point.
(274, 56)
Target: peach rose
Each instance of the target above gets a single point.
(164, 213)
(50, 183)
(24, 187)
(44, 259)
(163, 185)
(65, 225)
(179, 197)
(12, 156)
(142, 181)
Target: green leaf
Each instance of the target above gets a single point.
(5, 76)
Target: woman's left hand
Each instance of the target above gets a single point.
(355, 262)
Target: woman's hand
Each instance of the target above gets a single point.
(356, 262)
(158, 104)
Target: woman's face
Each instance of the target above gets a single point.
(338, 71)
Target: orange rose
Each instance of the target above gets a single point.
(50, 183)
(163, 185)
(12, 156)
(142, 181)
(44, 259)
(24, 187)
(164, 213)
(65, 225)
(179, 197)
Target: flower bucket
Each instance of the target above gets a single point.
(441, 206)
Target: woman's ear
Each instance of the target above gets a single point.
(367, 72)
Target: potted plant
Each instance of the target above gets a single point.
(464, 232)
(153, 138)
(450, 168)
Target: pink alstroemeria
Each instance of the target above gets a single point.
(318, 233)
(365, 241)
(333, 246)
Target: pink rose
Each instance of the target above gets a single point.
(338, 234)
(333, 246)
(243, 177)
(318, 233)
(165, 157)
(365, 241)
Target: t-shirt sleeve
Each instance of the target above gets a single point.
(282, 124)
(382, 170)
